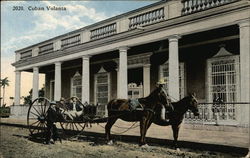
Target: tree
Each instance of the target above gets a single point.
(28, 99)
(3, 83)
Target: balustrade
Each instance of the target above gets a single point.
(213, 113)
(26, 54)
(191, 6)
(70, 41)
(147, 18)
(103, 31)
(46, 48)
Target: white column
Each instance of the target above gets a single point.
(17, 87)
(35, 83)
(146, 80)
(122, 91)
(244, 27)
(173, 89)
(58, 81)
(245, 72)
(85, 79)
(245, 60)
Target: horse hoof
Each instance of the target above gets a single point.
(110, 142)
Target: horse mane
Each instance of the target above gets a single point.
(180, 105)
(150, 97)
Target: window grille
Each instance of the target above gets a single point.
(102, 91)
(76, 85)
(223, 83)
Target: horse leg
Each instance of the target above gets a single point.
(108, 126)
(175, 129)
(144, 125)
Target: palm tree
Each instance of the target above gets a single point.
(4, 82)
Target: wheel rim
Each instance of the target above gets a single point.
(37, 113)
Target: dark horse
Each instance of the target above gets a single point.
(177, 115)
(152, 108)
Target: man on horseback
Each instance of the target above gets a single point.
(168, 108)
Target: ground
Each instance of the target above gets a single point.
(15, 142)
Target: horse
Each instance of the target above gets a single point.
(120, 108)
(153, 106)
(177, 115)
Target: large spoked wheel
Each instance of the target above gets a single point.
(36, 118)
(76, 125)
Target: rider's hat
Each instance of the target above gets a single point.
(161, 81)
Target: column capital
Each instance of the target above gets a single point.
(35, 68)
(146, 65)
(123, 48)
(57, 63)
(173, 38)
(244, 23)
(86, 57)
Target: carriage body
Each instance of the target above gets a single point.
(42, 111)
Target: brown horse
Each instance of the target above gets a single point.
(150, 106)
(153, 106)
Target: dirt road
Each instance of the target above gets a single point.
(15, 143)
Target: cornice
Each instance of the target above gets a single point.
(149, 29)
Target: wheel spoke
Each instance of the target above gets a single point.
(76, 127)
(45, 106)
(34, 113)
(41, 107)
(36, 110)
(35, 127)
(34, 123)
(67, 124)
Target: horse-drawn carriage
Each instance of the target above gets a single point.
(71, 114)
(43, 114)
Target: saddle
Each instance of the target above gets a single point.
(134, 104)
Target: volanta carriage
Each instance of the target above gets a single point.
(37, 118)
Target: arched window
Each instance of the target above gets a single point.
(224, 83)
(76, 85)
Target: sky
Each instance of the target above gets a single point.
(22, 28)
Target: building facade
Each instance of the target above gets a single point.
(198, 46)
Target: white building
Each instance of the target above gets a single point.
(200, 46)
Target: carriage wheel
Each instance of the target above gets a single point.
(73, 126)
(36, 118)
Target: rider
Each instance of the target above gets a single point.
(168, 108)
